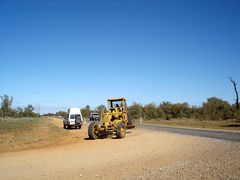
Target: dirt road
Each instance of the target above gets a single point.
(143, 154)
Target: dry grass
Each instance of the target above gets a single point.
(224, 125)
(24, 133)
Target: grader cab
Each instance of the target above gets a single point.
(115, 121)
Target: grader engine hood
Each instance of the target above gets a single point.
(112, 115)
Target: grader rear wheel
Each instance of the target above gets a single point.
(93, 130)
(121, 130)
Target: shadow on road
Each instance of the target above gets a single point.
(232, 125)
(72, 129)
(88, 139)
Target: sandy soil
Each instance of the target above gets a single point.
(142, 154)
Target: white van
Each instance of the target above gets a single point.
(74, 119)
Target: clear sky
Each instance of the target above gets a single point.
(62, 53)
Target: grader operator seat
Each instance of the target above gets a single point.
(117, 107)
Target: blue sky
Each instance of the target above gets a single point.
(62, 53)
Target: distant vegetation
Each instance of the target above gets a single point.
(213, 109)
(7, 110)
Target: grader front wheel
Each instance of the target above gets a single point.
(93, 130)
(121, 130)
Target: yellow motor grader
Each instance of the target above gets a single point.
(115, 121)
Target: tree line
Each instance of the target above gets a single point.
(6, 109)
(213, 109)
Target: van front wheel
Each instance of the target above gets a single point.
(65, 126)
